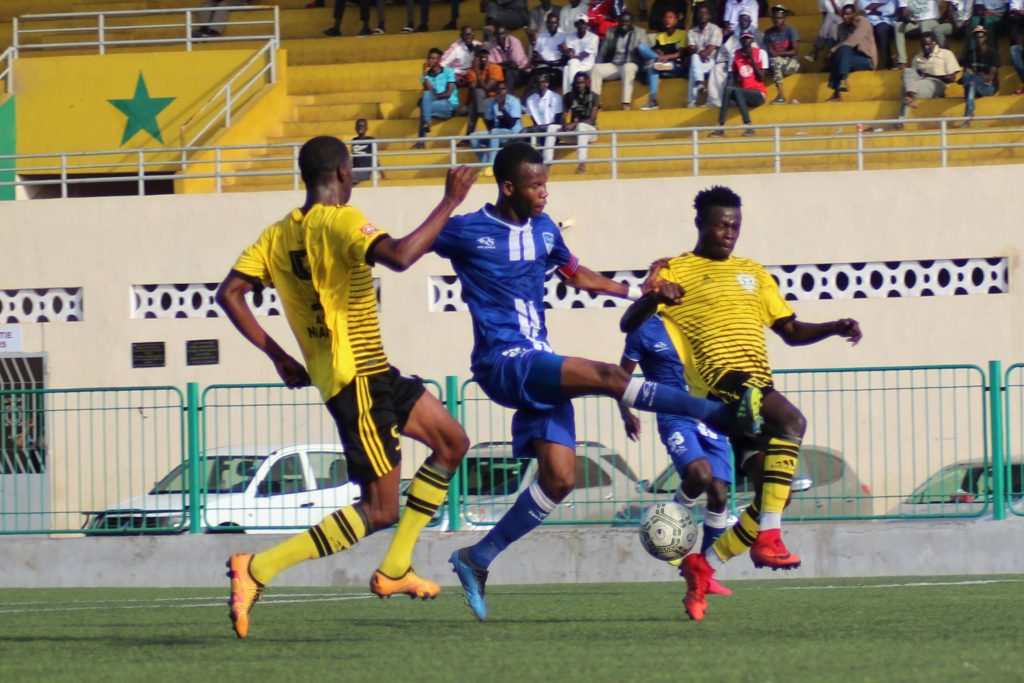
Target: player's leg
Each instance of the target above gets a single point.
(430, 423)
(582, 377)
(372, 451)
(549, 435)
(784, 433)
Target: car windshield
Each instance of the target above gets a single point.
(494, 476)
(952, 484)
(224, 474)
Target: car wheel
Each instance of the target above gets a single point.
(226, 528)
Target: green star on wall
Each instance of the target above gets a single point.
(142, 111)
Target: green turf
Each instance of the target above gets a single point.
(904, 629)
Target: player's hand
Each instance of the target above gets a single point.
(670, 293)
(292, 372)
(848, 329)
(458, 182)
(632, 424)
(652, 279)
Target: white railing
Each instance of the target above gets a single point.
(7, 68)
(105, 30)
(852, 142)
(232, 95)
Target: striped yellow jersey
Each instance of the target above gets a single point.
(317, 263)
(719, 324)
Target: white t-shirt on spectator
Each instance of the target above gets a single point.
(734, 8)
(567, 19)
(588, 44)
(888, 11)
(458, 57)
(543, 109)
(546, 45)
(922, 10)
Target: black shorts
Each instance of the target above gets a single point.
(370, 413)
(731, 384)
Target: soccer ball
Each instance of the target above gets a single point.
(668, 531)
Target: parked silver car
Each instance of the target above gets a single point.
(495, 478)
(824, 486)
(961, 489)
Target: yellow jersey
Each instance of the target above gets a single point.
(719, 324)
(317, 263)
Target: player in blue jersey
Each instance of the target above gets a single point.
(700, 455)
(503, 254)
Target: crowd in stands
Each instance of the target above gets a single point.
(727, 61)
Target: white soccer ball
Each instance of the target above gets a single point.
(668, 531)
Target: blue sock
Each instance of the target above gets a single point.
(530, 509)
(715, 524)
(659, 398)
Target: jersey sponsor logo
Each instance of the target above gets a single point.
(706, 431)
(746, 281)
(659, 347)
(368, 229)
(485, 243)
(549, 241)
(647, 393)
(676, 443)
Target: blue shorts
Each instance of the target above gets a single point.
(689, 440)
(529, 383)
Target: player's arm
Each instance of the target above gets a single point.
(399, 254)
(639, 311)
(581, 277)
(231, 297)
(798, 333)
(629, 420)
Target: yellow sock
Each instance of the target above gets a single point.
(738, 539)
(779, 466)
(426, 493)
(337, 531)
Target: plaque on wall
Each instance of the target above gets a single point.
(202, 352)
(148, 355)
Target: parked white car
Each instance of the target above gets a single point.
(253, 488)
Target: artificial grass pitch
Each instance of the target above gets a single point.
(899, 629)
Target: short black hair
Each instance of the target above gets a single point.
(511, 158)
(716, 195)
(850, 5)
(435, 51)
(320, 158)
(927, 34)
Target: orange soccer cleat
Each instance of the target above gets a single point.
(410, 583)
(697, 573)
(245, 592)
(769, 551)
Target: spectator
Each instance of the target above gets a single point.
(504, 117)
(582, 105)
(990, 14)
(981, 71)
(211, 22)
(658, 9)
(460, 55)
(855, 51)
(882, 16)
(702, 42)
(548, 57)
(364, 16)
(719, 76)
(569, 14)
(410, 17)
(960, 13)
(1015, 18)
(604, 15)
(508, 53)
(914, 17)
(580, 50)
(453, 23)
(511, 14)
(1017, 58)
(665, 57)
(619, 58)
(545, 109)
(482, 80)
(731, 15)
(439, 99)
(830, 20)
(931, 70)
(750, 64)
(364, 155)
(539, 18)
(781, 42)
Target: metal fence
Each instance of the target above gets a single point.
(886, 442)
(779, 148)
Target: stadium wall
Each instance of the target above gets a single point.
(105, 246)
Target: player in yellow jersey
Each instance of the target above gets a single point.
(716, 307)
(319, 258)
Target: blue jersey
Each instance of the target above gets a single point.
(650, 346)
(502, 268)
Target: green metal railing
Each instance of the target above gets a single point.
(882, 442)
